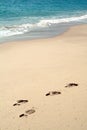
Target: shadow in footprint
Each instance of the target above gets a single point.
(52, 93)
(71, 85)
(22, 101)
(22, 115)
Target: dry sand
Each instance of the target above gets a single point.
(30, 69)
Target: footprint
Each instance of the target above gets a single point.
(31, 111)
(71, 85)
(16, 104)
(19, 102)
(52, 93)
(22, 115)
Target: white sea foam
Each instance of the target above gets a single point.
(48, 22)
(24, 28)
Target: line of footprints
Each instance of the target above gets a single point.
(32, 110)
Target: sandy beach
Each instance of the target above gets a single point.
(30, 69)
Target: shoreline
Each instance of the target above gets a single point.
(59, 33)
(30, 69)
(51, 37)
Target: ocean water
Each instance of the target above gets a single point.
(29, 19)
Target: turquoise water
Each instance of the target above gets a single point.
(39, 18)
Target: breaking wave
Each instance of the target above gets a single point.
(6, 31)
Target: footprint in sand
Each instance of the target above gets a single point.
(30, 111)
(52, 93)
(19, 102)
(71, 85)
(16, 104)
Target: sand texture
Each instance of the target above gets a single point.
(35, 93)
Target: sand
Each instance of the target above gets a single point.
(30, 69)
